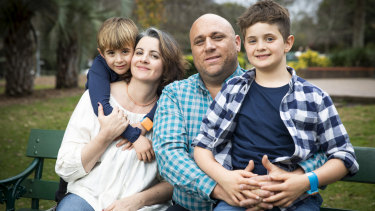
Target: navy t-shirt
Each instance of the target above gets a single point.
(260, 129)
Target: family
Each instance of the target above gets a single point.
(143, 138)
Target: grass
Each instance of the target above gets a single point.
(54, 113)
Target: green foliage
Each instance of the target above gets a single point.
(353, 57)
(310, 58)
(192, 70)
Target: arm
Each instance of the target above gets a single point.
(230, 181)
(82, 127)
(99, 78)
(171, 145)
(159, 193)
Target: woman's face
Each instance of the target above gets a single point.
(146, 63)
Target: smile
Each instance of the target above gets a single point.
(264, 56)
(212, 59)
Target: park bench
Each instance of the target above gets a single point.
(44, 144)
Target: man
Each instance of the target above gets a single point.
(182, 106)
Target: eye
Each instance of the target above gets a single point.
(218, 37)
(270, 39)
(199, 42)
(155, 56)
(251, 41)
(138, 52)
(110, 52)
(126, 51)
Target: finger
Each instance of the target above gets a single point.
(262, 193)
(250, 166)
(153, 154)
(144, 156)
(110, 207)
(139, 156)
(249, 203)
(266, 163)
(248, 194)
(248, 187)
(149, 156)
(280, 177)
(100, 110)
(264, 206)
(121, 142)
(274, 198)
(274, 188)
(281, 203)
(128, 146)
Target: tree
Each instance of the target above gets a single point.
(359, 24)
(149, 12)
(75, 28)
(20, 43)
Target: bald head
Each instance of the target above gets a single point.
(212, 19)
(214, 46)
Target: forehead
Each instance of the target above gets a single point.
(149, 43)
(260, 29)
(208, 27)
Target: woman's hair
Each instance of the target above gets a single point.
(117, 33)
(174, 63)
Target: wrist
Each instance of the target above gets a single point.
(313, 183)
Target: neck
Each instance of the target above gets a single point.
(273, 77)
(142, 93)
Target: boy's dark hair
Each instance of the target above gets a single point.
(266, 11)
(174, 63)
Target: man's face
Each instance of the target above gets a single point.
(214, 47)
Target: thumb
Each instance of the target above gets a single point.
(280, 177)
(100, 110)
(267, 163)
(250, 166)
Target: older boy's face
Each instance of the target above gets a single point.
(265, 47)
(118, 60)
(214, 47)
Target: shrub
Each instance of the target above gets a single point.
(353, 57)
(310, 58)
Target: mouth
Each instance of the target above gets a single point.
(142, 68)
(120, 66)
(212, 59)
(263, 56)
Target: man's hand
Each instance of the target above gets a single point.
(144, 150)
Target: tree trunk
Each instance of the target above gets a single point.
(19, 47)
(359, 24)
(67, 64)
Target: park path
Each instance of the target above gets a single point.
(347, 87)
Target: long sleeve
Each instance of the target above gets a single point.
(80, 130)
(98, 82)
(175, 163)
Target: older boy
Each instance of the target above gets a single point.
(271, 111)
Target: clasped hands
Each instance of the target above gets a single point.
(278, 188)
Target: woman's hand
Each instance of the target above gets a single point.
(143, 148)
(131, 203)
(113, 125)
(124, 142)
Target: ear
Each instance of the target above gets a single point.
(238, 43)
(289, 43)
(101, 54)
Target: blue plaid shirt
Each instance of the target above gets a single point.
(307, 112)
(179, 115)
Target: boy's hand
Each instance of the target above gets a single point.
(290, 185)
(144, 150)
(139, 125)
(124, 142)
(114, 124)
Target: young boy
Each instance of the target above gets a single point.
(115, 40)
(270, 111)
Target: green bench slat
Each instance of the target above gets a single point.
(44, 143)
(40, 189)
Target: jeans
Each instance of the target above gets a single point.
(73, 202)
(312, 203)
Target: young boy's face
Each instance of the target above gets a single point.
(265, 46)
(118, 60)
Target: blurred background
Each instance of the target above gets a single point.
(58, 37)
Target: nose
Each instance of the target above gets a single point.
(118, 58)
(144, 58)
(260, 45)
(210, 44)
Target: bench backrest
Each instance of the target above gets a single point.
(365, 158)
(42, 144)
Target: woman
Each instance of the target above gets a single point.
(101, 175)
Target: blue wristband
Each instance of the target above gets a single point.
(314, 183)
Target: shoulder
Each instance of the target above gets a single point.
(184, 84)
(306, 91)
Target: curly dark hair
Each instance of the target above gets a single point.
(174, 63)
